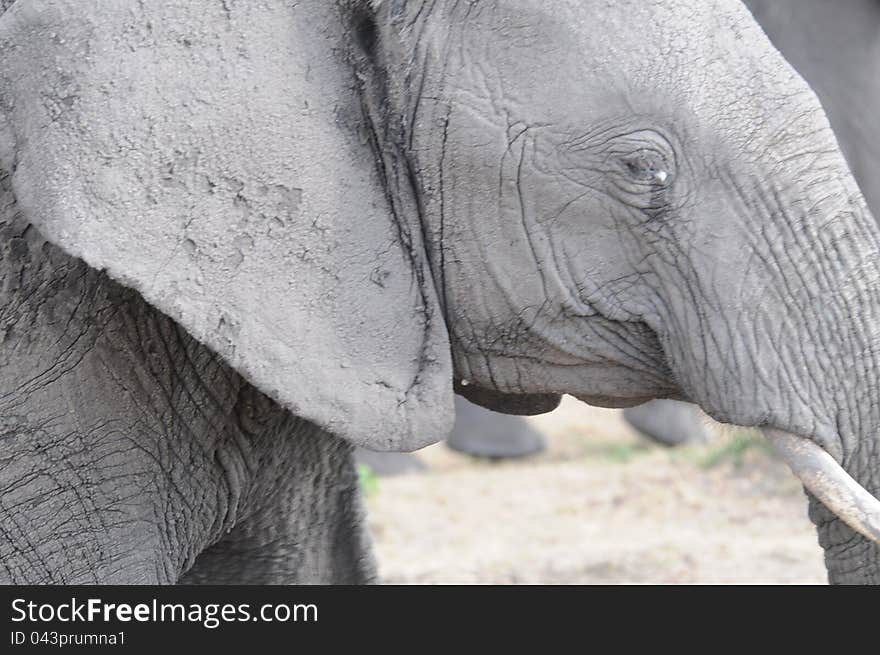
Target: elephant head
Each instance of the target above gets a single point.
(363, 205)
(642, 201)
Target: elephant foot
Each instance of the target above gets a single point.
(484, 433)
(669, 422)
(382, 463)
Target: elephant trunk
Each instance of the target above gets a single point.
(829, 345)
(842, 478)
(793, 345)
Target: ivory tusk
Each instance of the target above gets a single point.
(825, 478)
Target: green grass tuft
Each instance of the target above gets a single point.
(368, 479)
(734, 450)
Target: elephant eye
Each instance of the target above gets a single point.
(647, 168)
(642, 170)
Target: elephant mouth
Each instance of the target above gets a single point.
(508, 403)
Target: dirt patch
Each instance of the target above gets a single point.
(600, 506)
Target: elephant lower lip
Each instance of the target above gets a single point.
(613, 402)
(507, 403)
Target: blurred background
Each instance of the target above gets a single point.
(601, 503)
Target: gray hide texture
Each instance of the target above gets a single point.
(835, 46)
(212, 156)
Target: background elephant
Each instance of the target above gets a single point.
(322, 218)
(483, 433)
(670, 422)
(836, 47)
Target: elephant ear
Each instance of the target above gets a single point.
(213, 156)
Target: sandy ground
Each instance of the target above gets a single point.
(600, 506)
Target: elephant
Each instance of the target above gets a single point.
(483, 433)
(833, 46)
(240, 238)
(836, 48)
(670, 422)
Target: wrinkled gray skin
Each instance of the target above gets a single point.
(835, 46)
(133, 454)
(744, 281)
(621, 201)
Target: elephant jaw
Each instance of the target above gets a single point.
(821, 474)
(507, 403)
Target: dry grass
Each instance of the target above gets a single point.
(600, 506)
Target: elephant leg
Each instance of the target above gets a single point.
(483, 433)
(306, 528)
(669, 422)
